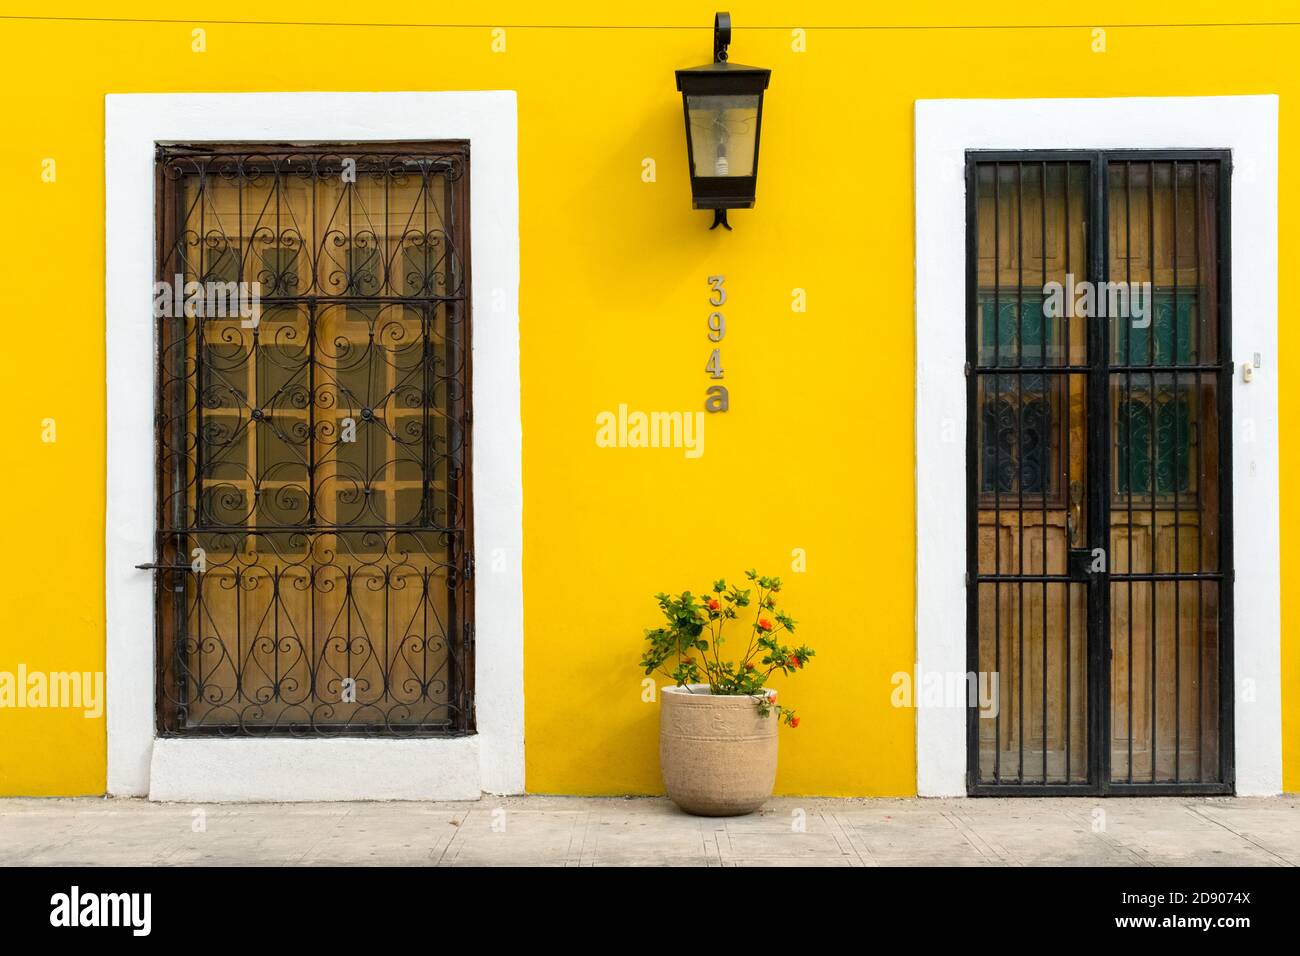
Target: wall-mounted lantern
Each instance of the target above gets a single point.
(724, 113)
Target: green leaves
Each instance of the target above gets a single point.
(764, 583)
(687, 672)
(694, 626)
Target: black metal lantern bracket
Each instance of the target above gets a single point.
(722, 183)
(721, 36)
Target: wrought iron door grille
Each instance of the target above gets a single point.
(313, 455)
(1099, 453)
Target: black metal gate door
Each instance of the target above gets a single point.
(1099, 472)
(313, 537)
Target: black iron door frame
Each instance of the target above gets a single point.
(1098, 583)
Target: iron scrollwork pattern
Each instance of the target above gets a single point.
(313, 450)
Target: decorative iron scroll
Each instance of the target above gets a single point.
(313, 442)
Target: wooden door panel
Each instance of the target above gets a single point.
(1040, 657)
(1165, 453)
(1173, 624)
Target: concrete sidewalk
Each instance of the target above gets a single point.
(576, 831)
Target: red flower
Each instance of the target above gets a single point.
(764, 624)
(714, 605)
(749, 667)
(796, 663)
(772, 698)
(794, 721)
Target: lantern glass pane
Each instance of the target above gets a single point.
(724, 133)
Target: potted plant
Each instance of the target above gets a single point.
(718, 720)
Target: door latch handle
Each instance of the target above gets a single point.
(1074, 516)
(155, 566)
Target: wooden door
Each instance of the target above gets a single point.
(315, 458)
(1098, 589)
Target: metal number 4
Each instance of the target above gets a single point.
(714, 368)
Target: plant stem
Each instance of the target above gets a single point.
(754, 630)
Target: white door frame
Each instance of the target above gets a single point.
(945, 129)
(172, 768)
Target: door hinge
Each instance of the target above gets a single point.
(469, 564)
(469, 634)
(966, 369)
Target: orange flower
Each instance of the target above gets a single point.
(714, 605)
(764, 624)
(794, 721)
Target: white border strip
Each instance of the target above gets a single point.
(945, 129)
(493, 759)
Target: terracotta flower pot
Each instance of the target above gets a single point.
(717, 755)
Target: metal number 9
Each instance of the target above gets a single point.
(717, 327)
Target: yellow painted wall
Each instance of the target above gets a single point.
(817, 451)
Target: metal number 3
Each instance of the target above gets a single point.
(719, 296)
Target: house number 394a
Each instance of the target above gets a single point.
(716, 398)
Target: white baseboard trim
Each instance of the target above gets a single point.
(280, 770)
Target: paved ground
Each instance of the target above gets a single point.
(575, 831)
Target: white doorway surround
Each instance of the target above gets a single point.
(279, 769)
(945, 130)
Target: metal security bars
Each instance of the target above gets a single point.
(1099, 472)
(314, 518)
